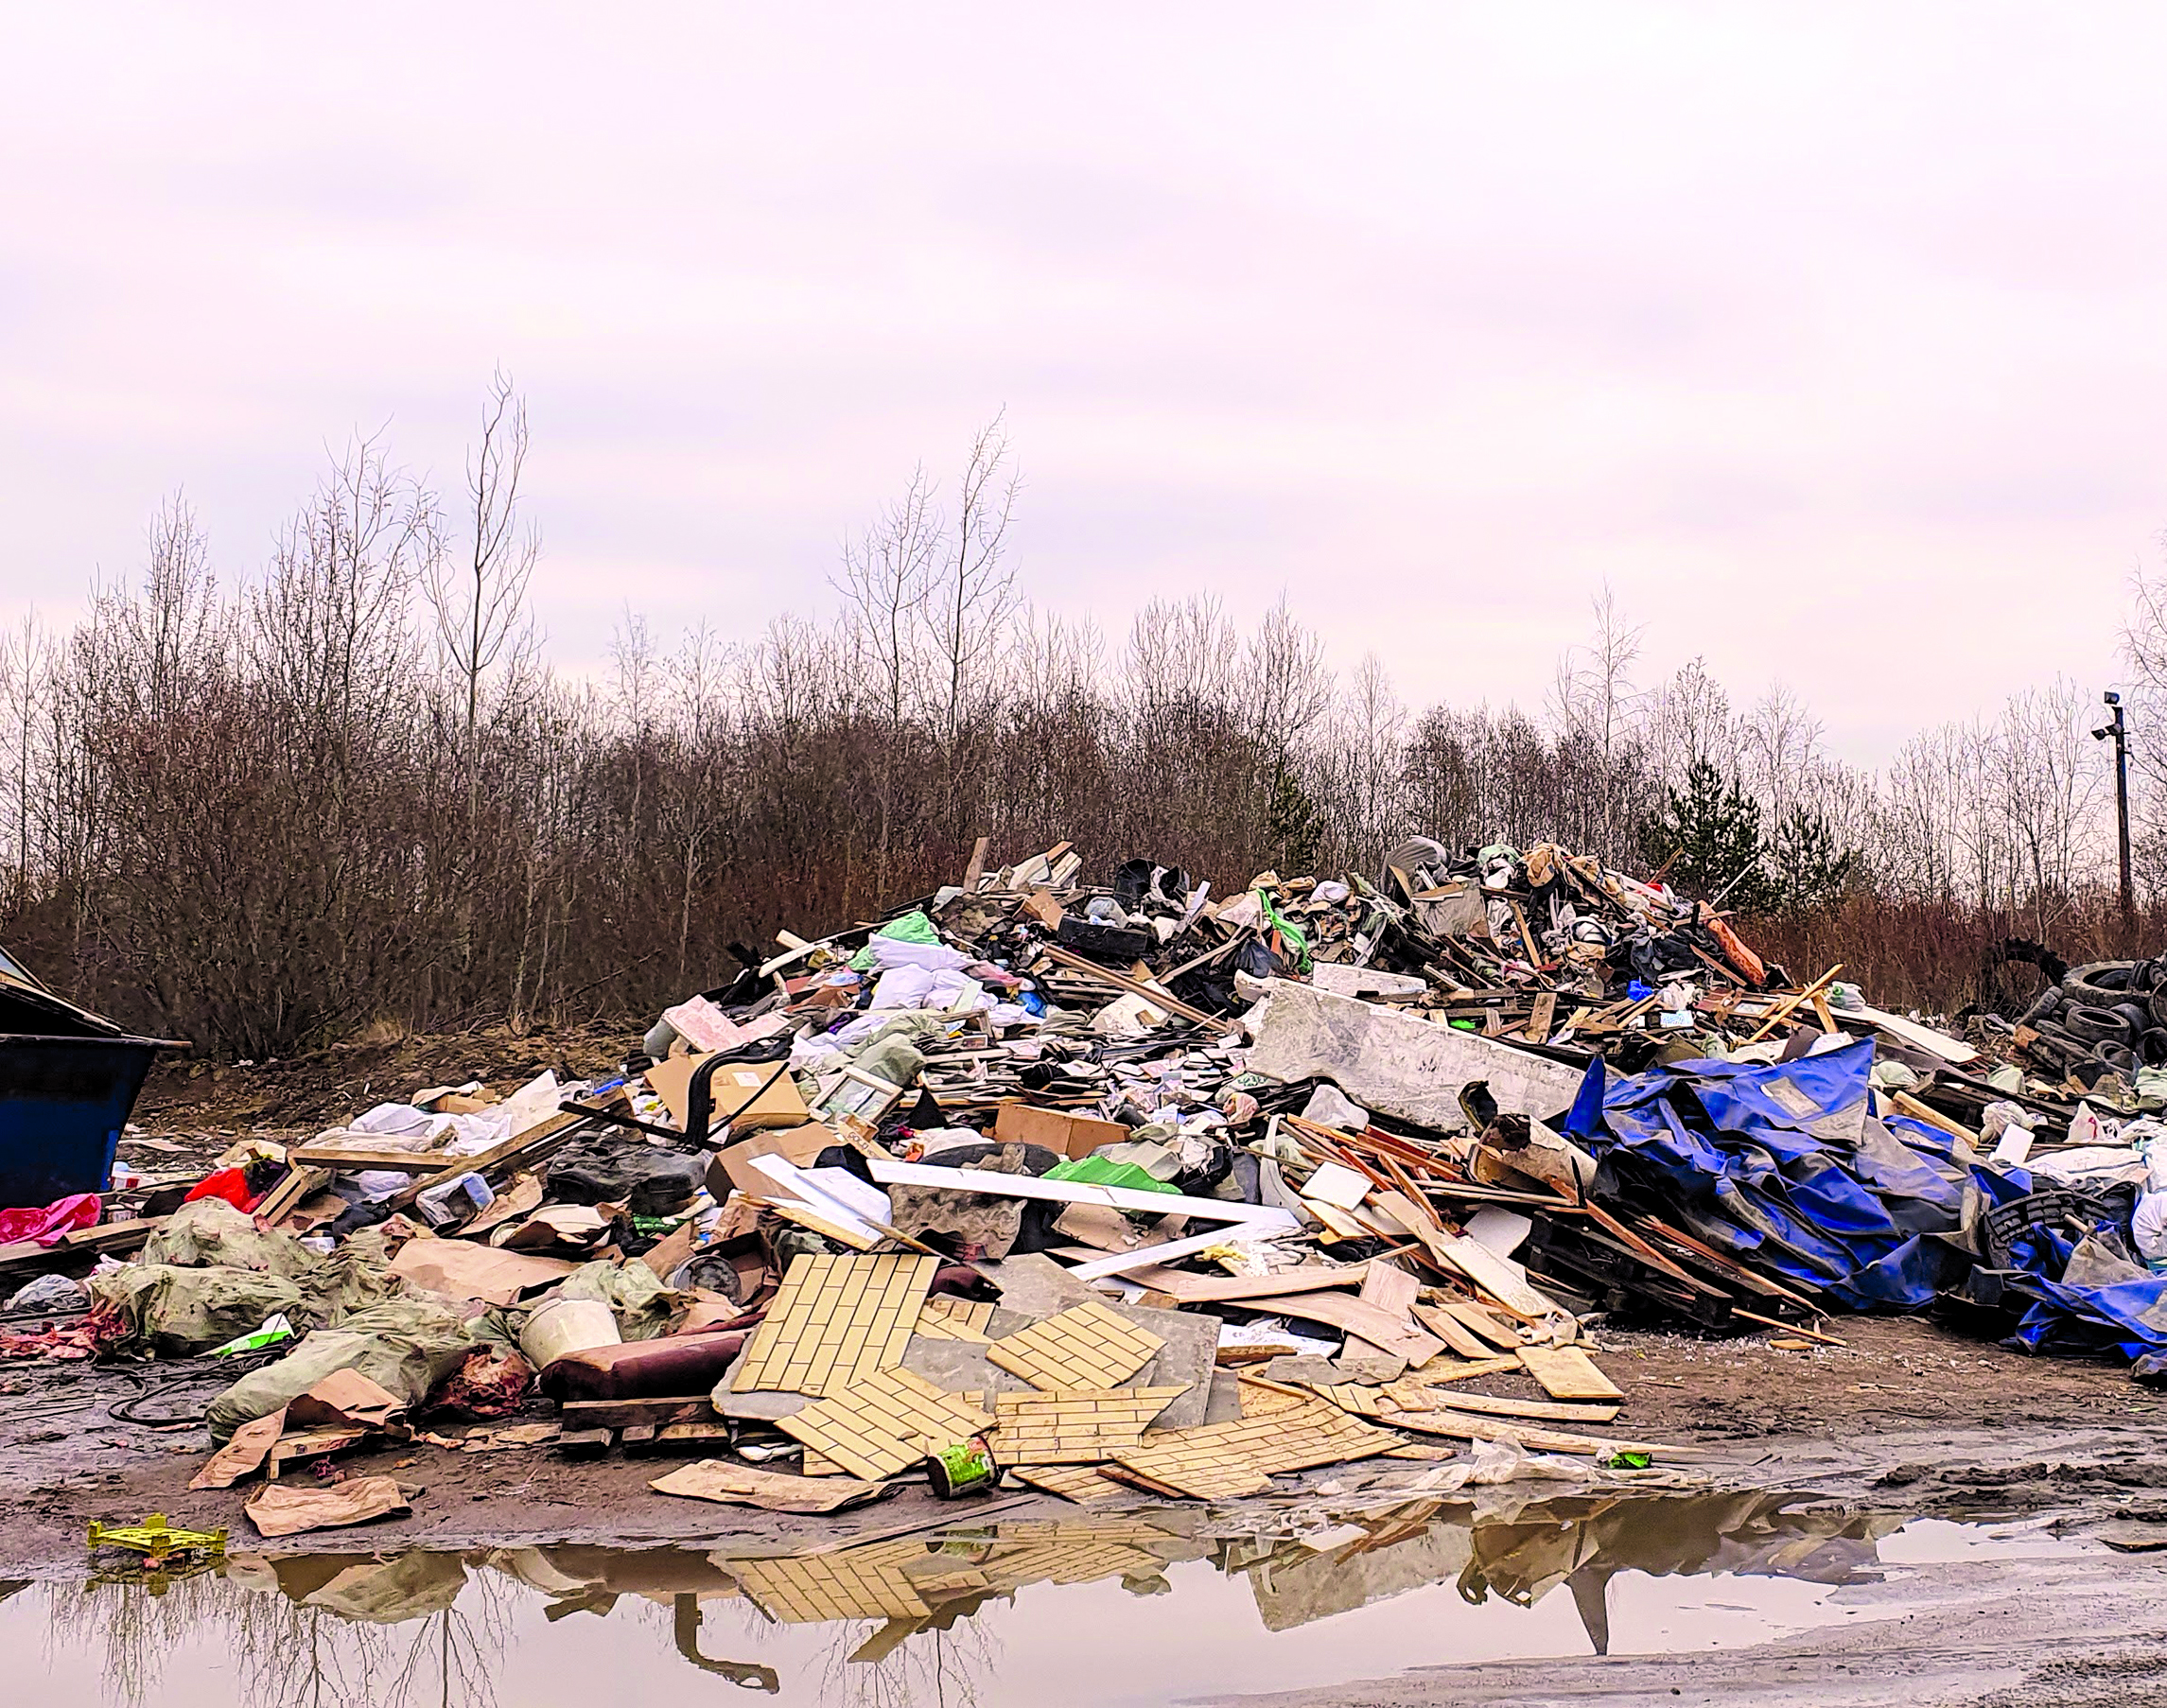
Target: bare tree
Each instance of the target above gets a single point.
(1595, 704)
(479, 599)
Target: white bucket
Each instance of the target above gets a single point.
(565, 1326)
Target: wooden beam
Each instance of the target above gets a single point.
(1783, 1009)
(1158, 999)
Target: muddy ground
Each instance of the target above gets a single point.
(1906, 1416)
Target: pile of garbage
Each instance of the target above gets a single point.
(1121, 1186)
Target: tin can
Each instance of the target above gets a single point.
(963, 1469)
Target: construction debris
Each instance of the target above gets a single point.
(1132, 1188)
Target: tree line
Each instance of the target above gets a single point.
(348, 788)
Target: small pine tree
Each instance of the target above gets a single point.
(1291, 825)
(1806, 867)
(1707, 834)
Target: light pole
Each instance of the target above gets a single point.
(2121, 734)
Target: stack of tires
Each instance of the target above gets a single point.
(2109, 1016)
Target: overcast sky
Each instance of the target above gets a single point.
(1831, 336)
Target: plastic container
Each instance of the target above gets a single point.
(565, 1326)
(455, 1200)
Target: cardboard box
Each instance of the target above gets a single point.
(736, 1090)
(1071, 1135)
(733, 1165)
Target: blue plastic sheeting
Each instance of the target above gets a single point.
(1785, 1167)
(2129, 1317)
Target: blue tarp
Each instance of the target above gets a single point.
(1785, 1167)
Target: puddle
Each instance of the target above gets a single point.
(1129, 1608)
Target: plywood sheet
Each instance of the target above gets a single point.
(1078, 1426)
(1568, 1373)
(885, 1424)
(1085, 1346)
(836, 1321)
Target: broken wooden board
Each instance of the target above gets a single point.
(1077, 1426)
(1189, 1289)
(385, 1157)
(770, 1490)
(520, 1146)
(836, 1321)
(1479, 1322)
(1085, 1346)
(1440, 1370)
(1498, 1276)
(1466, 1426)
(1454, 1332)
(1407, 1396)
(944, 1318)
(1224, 1461)
(885, 1424)
(1349, 1316)
(1567, 1373)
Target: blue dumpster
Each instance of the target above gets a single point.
(62, 1104)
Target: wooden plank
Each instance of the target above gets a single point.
(1783, 1009)
(518, 1146)
(1352, 1316)
(1466, 1426)
(1541, 1021)
(620, 1414)
(1489, 1405)
(1256, 1217)
(1212, 1289)
(1454, 1332)
(368, 1156)
(300, 1182)
(1158, 999)
(1479, 1322)
(111, 1236)
(1568, 1373)
(1911, 1106)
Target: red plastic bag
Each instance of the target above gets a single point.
(230, 1184)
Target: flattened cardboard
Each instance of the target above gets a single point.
(1071, 1135)
(733, 1165)
(738, 1097)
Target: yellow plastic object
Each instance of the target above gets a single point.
(156, 1539)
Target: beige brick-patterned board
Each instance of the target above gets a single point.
(1076, 1427)
(859, 1583)
(1085, 1346)
(1081, 1484)
(1220, 1461)
(885, 1424)
(835, 1321)
(944, 1318)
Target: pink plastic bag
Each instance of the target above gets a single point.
(46, 1226)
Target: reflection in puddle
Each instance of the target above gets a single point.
(1148, 1608)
